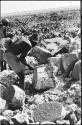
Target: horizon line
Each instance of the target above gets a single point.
(40, 10)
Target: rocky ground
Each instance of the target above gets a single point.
(49, 97)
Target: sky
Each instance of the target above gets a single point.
(18, 6)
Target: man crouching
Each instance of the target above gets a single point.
(12, 48)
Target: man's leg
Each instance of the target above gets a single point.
(13, 62)
(4, 65)
(1, 66)
(21, 80)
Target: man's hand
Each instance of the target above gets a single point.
(31, 68)
(25, 63)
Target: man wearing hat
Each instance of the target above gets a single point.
(14, 48)
(3, 24)
(34, 37)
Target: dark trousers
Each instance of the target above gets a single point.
(15, 65)
(2, 65)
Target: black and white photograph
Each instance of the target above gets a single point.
(40, 62)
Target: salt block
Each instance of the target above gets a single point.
(42, 78)
(76, 74)
(8, 77)
(55, 63)
(67, 59)
(48, 111)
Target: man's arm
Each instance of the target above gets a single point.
(22, 59)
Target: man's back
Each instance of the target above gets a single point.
(20, 45)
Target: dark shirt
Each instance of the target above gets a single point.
(20, 47)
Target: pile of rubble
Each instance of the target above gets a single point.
(49, 97)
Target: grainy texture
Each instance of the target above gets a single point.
(47, 111)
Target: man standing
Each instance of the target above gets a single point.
(4, 23)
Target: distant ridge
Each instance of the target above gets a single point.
(39, 11)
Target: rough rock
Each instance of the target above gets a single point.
(38, 99)
(31, 61)
(52, 47)
(78, 113)
(4, 121)
(71, 108)
(55, 62)
(42, 78)
(79, 122)
(63, 42)
(3, 105)
(59, 40)
(48, 111)
(28, 82)
(15, 96)
(20, 119)
(52, 95)
(76, 74)
(48, 122)
(40, 54)
(78, 53)
(75, 93)
(8, 114)
(28, 78)
(75, 44)
(69, 100)
(62, 122)
(67, 59)
(8, 77)
(73, 119)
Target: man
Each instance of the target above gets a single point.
(4, 23)
(13, 48)
(37, 37)
(33, 38)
